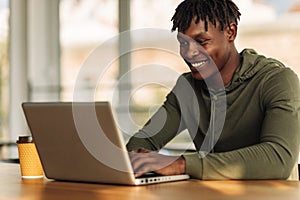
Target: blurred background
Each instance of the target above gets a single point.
(44, 45)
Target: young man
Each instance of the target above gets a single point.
(242, 112)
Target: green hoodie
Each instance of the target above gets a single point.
(252, 131)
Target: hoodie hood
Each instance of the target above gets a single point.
(252, 63)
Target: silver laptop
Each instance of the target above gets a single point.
(81, 142)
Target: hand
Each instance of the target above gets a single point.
(144, 161)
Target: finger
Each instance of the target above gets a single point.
(143, 150)
(142, 163)
(142, 169)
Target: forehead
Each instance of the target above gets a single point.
(199, 28)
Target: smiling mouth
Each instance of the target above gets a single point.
(200, 64)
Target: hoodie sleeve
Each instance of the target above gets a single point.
(277, 152)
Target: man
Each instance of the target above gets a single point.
(243, 113)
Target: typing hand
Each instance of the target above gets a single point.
(144, 161)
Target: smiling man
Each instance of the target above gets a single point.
(259, 98)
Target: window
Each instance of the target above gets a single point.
(271, 28)
(85, 24)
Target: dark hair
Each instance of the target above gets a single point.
(223, 11)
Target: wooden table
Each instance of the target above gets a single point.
(12, 186)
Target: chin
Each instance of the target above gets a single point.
(197, 76)
(203, 75)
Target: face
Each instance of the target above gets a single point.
(205, 52)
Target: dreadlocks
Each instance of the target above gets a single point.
(223, 11)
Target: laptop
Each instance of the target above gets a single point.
(80, 141)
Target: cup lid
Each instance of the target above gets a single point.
(24, 139)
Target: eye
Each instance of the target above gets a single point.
(202, 41)
(183, 43)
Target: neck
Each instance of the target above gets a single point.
(225, 75)
(230, 67)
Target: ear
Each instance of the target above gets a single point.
(231, 32)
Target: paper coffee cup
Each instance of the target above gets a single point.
(30, 163)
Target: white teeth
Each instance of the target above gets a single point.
(198, 64)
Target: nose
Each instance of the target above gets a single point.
(193, 50)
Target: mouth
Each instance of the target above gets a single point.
(198, 65)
